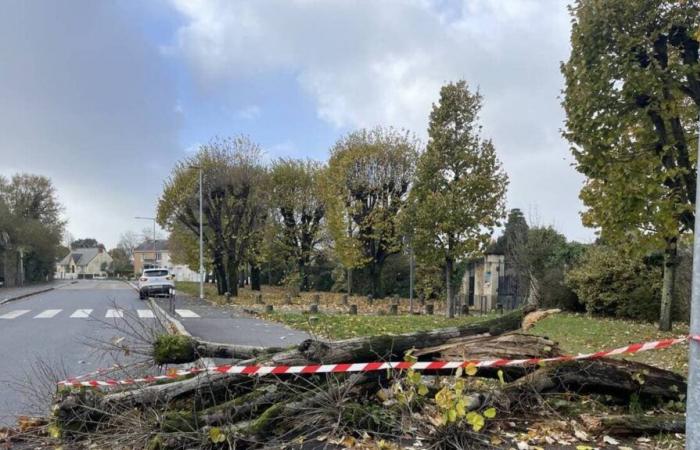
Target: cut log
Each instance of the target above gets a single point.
(634, 425)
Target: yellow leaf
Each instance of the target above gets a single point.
(216, 436)
(422, 390)
(500, 377)
(452, 415)
(54, 431)
(471, 370)
(478, 422)
(490, 413)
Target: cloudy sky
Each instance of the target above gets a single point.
(104, 97)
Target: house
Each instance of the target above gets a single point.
(148, 256)
(84, 263)
(480, 284)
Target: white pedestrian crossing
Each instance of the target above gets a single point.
(186, 313)
(145, 314)
(14, 314)
(81, 313)
(86, 313)
(48, 314)
(114, 314)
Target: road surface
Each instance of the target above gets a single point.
(58, 329)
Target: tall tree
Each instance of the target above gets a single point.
(296, 197)
(85, 243)
(632, 139)
(234, 199)
(128, 241)
(366, 188)
(31, 224)
(513, 245)
(460, 186)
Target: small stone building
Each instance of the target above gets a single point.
(481, 282)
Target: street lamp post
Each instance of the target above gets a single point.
(692, 417)
(154, 234)
(201, 237)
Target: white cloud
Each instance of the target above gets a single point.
(249, 112)
(366, 62)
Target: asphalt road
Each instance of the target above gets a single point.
(56, 332)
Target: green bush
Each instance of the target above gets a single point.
(613, 282)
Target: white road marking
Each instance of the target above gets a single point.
(14, 314)
(145, 314)
(49, 313)
(81, 313)
(186, 313)
(114, 313)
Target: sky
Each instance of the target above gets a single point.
(104, 97)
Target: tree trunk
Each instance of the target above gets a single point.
(375, 275)
(303, 275)
(232, 277)
(255, 278)
(349, 276)
(449, 305)
(670, 264)
(634, 424)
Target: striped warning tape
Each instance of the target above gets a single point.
(374, 366)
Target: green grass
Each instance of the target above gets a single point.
(336, 326)
(579, 333)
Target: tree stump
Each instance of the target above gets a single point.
(313, 308)
(288, 299)
(429, 309)
(353, 310)
(344, 300)
(465, 310)
(228, 297)
(370, 300)
(269, 309)
(259, 299)
(316, 299)
(393, 310)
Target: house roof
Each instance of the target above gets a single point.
(81, 256)
(147, 246)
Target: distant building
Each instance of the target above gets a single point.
(480, 284)
(146, 258)
(84, 263)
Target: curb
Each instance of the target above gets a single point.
(29, 294)
(177, 326)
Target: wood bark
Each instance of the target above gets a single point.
(670, 264)
(634, 424)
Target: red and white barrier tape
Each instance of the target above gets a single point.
(374, 366)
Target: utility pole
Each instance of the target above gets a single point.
(201, 241)
(692, 416)
(412, 272)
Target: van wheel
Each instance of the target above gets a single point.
(141, 296)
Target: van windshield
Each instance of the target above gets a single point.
(155, 273)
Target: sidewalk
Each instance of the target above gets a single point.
(224, 324)
(16, 293)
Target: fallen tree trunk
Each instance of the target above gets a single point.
(618, 378)
(372, 348)
(635, 424)
(179, 349)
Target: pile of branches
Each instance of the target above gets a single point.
(224, 410)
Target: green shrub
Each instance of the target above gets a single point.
(613, 282)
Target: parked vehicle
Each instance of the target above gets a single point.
(156, 282)
(100, 276)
